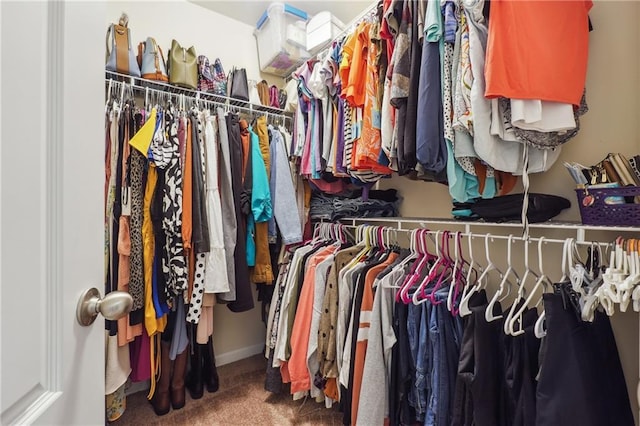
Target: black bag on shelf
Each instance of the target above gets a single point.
(507, 208)
(239, 86)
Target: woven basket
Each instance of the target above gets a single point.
(600, 213)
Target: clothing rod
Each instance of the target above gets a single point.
(140, 85)
(492, 237)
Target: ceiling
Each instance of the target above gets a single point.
(249, 11)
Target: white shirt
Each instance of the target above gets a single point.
(215, 278)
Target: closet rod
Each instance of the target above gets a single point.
(480, 235)
(579, 228)
(140, 85)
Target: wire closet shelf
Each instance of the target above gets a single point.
(142, 86)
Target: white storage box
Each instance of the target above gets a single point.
(281, 39)
(321, 30)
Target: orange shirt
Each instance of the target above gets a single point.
(187, 191)
(297, 366)
(345, 65)
(187, 205)
(366, 149)
(358, 74)
(363, 331)
(246, 146)
(538, 50)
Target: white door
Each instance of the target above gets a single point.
(51, 203)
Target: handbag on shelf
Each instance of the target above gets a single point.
(211, 77)
(219, 78)
(263, 92)
(282, 98)
(274, 97)
(254, 93)
(119, 54)
(239, 87)
(205, 79)
(151, 61)
(183, 66)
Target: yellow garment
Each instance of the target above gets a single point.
(154, 325)
(142, 139)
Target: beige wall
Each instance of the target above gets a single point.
(611, 125)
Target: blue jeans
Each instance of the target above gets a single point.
(445, 333)
(417, 331)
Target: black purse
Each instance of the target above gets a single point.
(239, 86)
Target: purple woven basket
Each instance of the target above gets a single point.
(601, 213)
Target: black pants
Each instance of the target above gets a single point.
(521, 371)
(581, 379)
(244, 298)
(480, 386)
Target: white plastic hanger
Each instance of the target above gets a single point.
(106, 107)
(481, 281)
(592, 299)
(488, 313)
(539, 328)
(542, 281)
(528, 272)
(613, 277)
(464, 300)
(633, 277)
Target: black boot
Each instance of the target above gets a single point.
(210, 371)
(194, 381)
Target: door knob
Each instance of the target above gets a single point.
(113, 306)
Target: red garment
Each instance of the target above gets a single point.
(538, 50)
(385, 32)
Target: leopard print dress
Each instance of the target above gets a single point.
(136, 279)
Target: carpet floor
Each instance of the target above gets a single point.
(241, 400)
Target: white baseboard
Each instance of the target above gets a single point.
(221, 359)
(238, 354)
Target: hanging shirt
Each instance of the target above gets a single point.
(499, 154)
(216, 278)
(431, 150)
(555, 35)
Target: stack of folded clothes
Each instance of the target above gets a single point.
(379, 203)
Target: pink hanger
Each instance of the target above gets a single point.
(417, 267)
(458, 275)
(446, 264)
